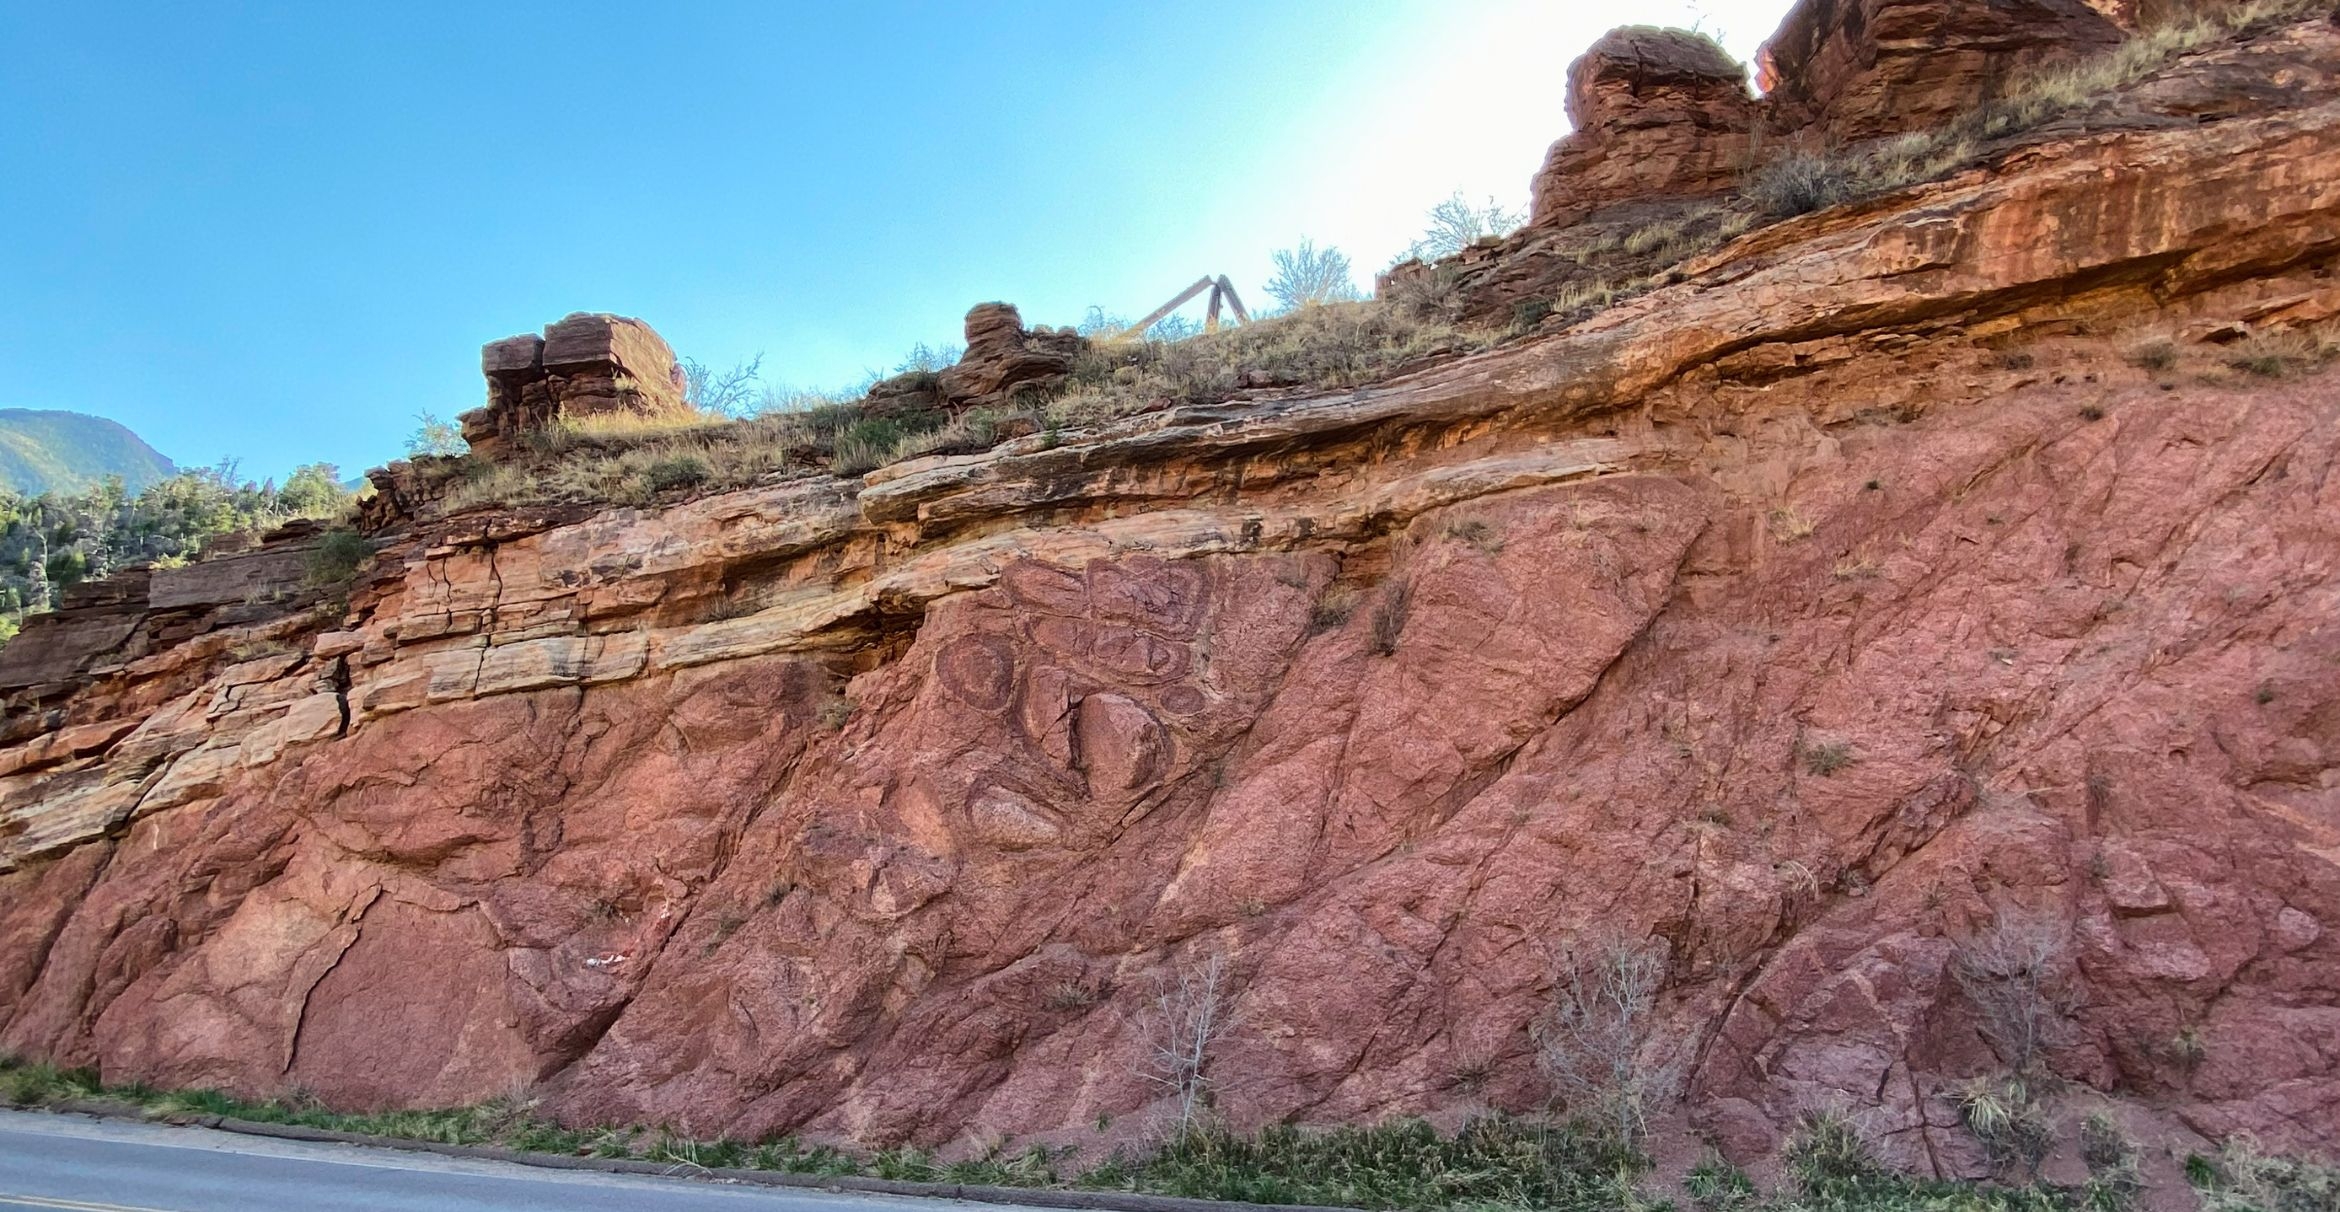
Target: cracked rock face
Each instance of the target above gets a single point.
(1814, 617)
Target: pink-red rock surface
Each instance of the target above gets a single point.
(880, 810)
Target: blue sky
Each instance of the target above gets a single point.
(279, 231)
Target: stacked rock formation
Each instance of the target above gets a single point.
(585, 365)
(1004, 364)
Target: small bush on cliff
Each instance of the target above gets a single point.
(336, 558)
(2275, 355)
(2010, 1120)
(2013, 971)
(1802, 182)
(1389, 616)
(677, 471)
(1595, 1041)
(1825, 758)
(2114, 1181)
(1191, 1013)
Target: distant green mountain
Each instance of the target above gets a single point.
(47, 451)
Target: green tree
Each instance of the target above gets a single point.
(314, 491)
(51, 541)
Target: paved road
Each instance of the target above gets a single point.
(85, 1165)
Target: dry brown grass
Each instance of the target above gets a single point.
(1328, 345)
(629, 459)
(2277, 354)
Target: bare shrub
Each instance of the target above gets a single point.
(1801, 182)
(2013, 972)
(1190, 1015)
(1333, 609)
(1306, 275)
(722, 392)
(1594, 1041)
(1456, 224)
(1389, 616)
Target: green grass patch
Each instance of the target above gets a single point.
(1494, 1162)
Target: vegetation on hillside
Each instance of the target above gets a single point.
(1307, 275)
(632, 460)
(51, 542)
(48, 451)
(1492, 1163)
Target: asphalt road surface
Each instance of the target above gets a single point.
(86, 1165)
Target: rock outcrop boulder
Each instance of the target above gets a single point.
(1006, 361)
(585, 365)
(1004, 365)
(1655, 113)
(1858, 69)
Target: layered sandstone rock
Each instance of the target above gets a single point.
(1654, 113)
(1006, 361)
(585, 365)
(880, 811)
(1857, 69)
(1004, 365)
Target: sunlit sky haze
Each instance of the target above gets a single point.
(278, 231)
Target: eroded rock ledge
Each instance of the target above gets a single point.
(875, 809)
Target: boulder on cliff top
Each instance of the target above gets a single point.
(1657, 113)
(1858, 69)
(1004, 364)
(1005, 360)
(586, 364)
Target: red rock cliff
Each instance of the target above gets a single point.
(1856, 591)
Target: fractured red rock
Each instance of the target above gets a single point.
(1378, 696)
